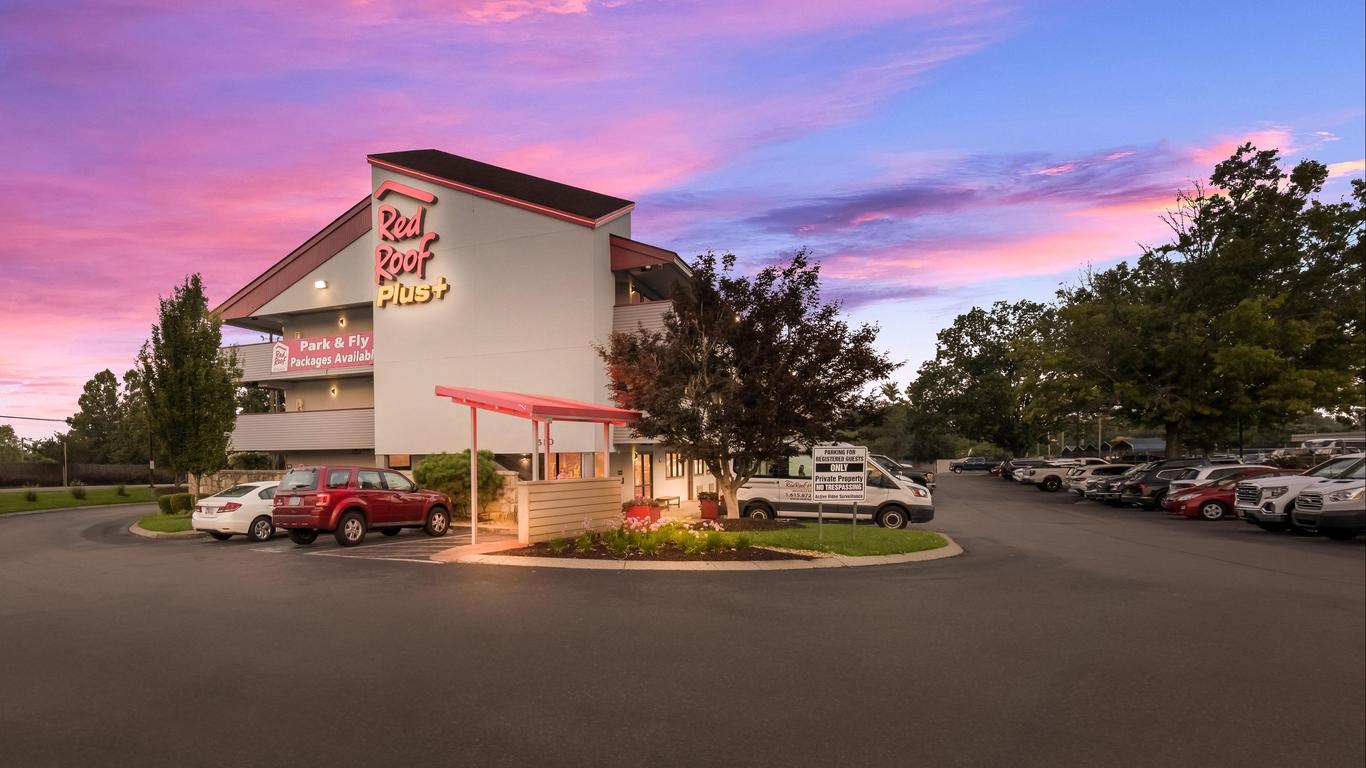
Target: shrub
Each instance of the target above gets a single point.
(651, 544)
(584, 542)
(743, 541)
(122, 490)
(449, 473)
(707, 496)
(77, 489)
(557, 546)
(29, 493)
(164, 504)
(617, 543)
(639, 501)
(712, 542)
(181, 503)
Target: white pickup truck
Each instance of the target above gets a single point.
(1268, 501)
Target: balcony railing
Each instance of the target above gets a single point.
(341, 429)
(254, 360)
(626, 318)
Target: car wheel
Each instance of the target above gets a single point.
(261, 529)
(302, 536)
(438, 522)
(219, 535)
(956, 471)
(759, 512)
(390, 531)
(1213, 510)
(892, 517)
(1050, 484)
(1340, 535)
(350, 529)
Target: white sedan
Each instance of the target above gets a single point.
(242, 509)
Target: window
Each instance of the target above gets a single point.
(369, 480)
(400, 461)
(300, 480)
(397, 482)
(674, 465)
(266, 493)
(338, 478)
(236, 490)
(878, 479)
(699, 467)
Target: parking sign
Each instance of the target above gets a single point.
(838, 473)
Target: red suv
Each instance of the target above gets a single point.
(348, 501)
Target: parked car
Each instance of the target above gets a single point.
(242, 510)
(1207, 475)
(782, 489)
(1268, 501)
(1084, 480)
(350, 501)
(971, 464)
(1009, 466)
(1214, 499)
(1147, 488)
(1335, 508)
(1111, 490)
(1045, 477)
(918, 476)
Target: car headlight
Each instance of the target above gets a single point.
(920, 493)
(1276, 492)
(1348, 494)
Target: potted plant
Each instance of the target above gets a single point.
(710, 503)
(641, 506)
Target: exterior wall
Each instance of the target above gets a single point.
(627, 318)
(326, 323)
(304, 430)
(529, 297)
(315, 395)
(342, 286)
(553, 509)
(350, 458)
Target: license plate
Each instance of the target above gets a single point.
(294, 501)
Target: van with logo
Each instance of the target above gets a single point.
(782, 488)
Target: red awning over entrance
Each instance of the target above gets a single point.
(537, 407)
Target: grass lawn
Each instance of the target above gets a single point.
(165, 523)
(844, 539)
(15, 502)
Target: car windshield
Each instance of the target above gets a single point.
(1188, 474)
(236, 490)
(299, 479)
(1338, 468)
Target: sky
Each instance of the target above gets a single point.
(933, 155)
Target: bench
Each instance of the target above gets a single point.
(669, 501)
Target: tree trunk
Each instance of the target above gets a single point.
(1174, 440)
(730, 491)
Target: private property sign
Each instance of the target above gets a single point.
(838, 473)
(344, 350)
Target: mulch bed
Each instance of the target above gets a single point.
(747, 524)
(670, 553)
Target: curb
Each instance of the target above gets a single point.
(951, 549)
(138, 530)
(74, 509)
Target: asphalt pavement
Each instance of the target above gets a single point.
(1070, 634)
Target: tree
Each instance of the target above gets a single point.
(95, 427)
(1251, 315)
(746, 369)
(133, 441)
(257, 400)
(189, 383)
(449, 473)
(986, 375)
(11, 448)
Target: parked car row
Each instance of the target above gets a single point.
(1329, 498)
(347, 502)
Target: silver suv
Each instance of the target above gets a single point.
(1267, 502)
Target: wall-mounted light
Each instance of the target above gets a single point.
(341, 321)
(320, 284)
(332, 390)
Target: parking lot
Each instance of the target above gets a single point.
(1069, 634)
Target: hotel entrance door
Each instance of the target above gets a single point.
(644, 473)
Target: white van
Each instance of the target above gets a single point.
(783, 489)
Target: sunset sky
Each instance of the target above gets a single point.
(932, 155)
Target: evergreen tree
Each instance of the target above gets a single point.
(95, 427)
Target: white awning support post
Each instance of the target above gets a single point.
(535, 452)
(548, 474)
(474, 475)
(606, 449)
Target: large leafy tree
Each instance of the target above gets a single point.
(1251, 315)
(985, 378)
(188, 383)
(747, 368)
(95, 427)
(11, 448)
(133, 443)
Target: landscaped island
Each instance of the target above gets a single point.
(730, 540)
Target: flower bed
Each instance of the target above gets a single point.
(640, 538)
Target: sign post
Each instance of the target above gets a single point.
(839, 473)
